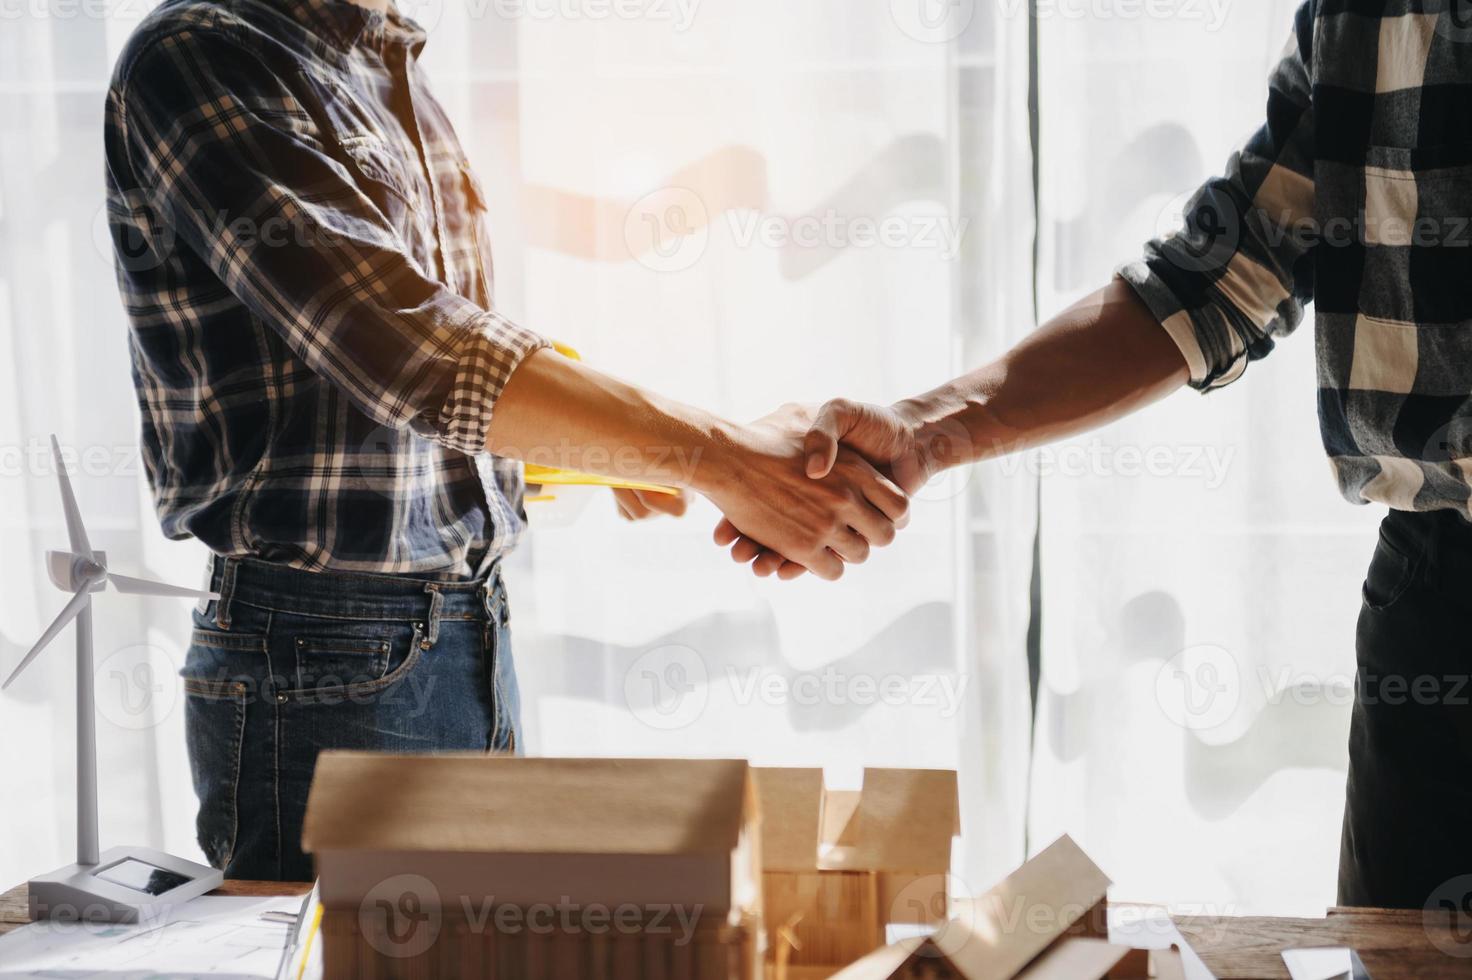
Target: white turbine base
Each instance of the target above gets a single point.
(75, 893)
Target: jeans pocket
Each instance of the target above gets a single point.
(332, 661)
(214, 725)
(1390, 575)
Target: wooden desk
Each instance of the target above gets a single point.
(1394, 944)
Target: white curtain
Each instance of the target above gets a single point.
(757, 203)
(1200, 572)
(736, 203)
(64, 369)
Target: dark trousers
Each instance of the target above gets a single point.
(1407, 839)
(288, 663)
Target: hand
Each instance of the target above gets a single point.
(639, 505)
(817, 523)
(885, 436)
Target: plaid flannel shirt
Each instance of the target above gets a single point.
(299, 248)
(1356, 195)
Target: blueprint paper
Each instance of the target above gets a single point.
(215, 936)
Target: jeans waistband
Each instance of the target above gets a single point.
(1438, 541)
(357, 596)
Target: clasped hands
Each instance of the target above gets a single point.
(805, 490)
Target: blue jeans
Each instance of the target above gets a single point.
(287, 663)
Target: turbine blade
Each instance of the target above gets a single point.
(74, 529)
(66, 615)
(143, 586)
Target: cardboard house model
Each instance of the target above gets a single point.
(1045, 921)
(838, 866)
(473, 865)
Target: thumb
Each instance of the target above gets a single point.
(821, 443)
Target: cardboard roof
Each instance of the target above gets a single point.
(1075, 958)
(1013, 927)
(1025, 912)
(792, 805)
(901, 820)
(500, 804)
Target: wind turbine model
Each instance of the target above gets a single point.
(118, 885)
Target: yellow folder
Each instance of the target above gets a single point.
(549, 476)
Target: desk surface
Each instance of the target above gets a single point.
(1394, 944)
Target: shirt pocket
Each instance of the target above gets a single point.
(380, 175)
(1416, 230)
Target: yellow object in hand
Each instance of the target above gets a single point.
(550, 476)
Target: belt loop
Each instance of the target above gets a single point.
(495, 598)
(436, 604)
(227, 588)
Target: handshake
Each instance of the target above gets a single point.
(806, 490)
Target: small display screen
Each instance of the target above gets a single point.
(142, 877)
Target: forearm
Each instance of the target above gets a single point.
(1099, 360)
(558, 412)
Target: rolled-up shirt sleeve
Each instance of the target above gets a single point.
(1238, 273)
(229, 160)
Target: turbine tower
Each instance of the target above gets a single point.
(115, 886)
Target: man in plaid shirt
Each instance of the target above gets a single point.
(332, 404)
(1356, 195)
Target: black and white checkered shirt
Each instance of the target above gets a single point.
(300, 252)
(1356, 195)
